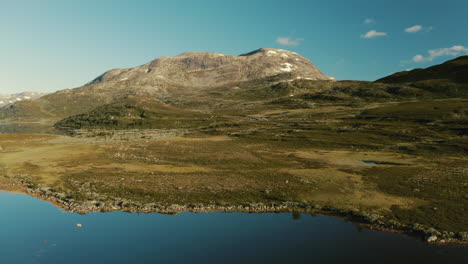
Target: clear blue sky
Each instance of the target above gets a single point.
(51, 45)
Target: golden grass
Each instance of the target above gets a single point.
(205, 169)
(355, 158)
(346, 190)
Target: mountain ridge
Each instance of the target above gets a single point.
(455, 70)
(270, 81)
(6, 99)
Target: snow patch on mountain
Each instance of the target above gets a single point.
(286, 67)
(11, 98)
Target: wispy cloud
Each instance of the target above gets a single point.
(417, 28)
(369, 21)
(419, 58)
(456, 50)
(373, 34)
(287, 41)
(414, 29)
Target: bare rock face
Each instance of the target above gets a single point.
(205, 69)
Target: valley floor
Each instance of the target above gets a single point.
(220, 173)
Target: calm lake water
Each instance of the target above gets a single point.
(28, 128)
(34, 231)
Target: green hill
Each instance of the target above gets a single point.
(137, 112)
(450, 78)
(455, 70)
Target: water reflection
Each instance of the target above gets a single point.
(33, 231)
(296, 216)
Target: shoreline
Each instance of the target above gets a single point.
(367, 220)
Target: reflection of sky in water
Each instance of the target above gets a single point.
(368, 162)
(33, 231)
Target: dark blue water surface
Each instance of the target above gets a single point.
(34, 231)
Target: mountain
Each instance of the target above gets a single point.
(455, 71)
(12, 98)
(446, 79)
(219, 84)
(205, 69)
(171, 78)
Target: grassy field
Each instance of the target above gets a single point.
(184, 170)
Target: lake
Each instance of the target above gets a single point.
(28, 128)
(35, 231)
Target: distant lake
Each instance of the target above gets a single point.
(34, 231)
(28, 128)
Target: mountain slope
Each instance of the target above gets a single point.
(446, 79)
(455, 70)
(28, 110)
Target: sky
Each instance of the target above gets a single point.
(52, 45)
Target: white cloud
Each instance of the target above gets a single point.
(456, 50)
(369, 21)
(373, 34)
(286, 41)
(414, 29)
(417, 28)
(418, 58)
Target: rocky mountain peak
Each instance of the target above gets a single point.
(208, 69)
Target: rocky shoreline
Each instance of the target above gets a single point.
(370, 220)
